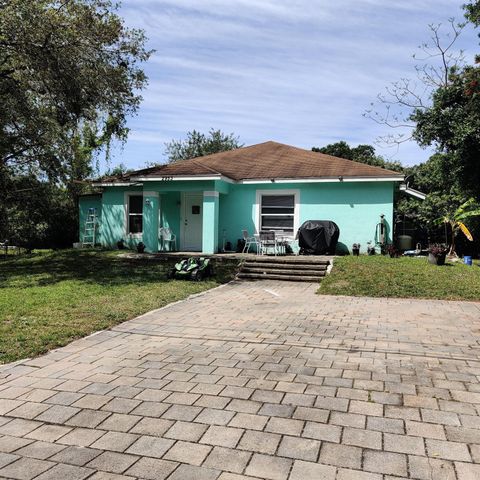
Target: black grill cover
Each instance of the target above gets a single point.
(318, 237)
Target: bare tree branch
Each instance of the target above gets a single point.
(395, 106)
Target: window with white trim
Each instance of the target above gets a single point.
(277, 212)
(135, 214)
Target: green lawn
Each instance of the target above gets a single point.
(378, 276)
(48, 299)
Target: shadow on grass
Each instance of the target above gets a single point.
(90, 266)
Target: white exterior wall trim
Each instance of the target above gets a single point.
(251, 181)
(413, 192)
(179, 178)
(116, 184)
(338, 179)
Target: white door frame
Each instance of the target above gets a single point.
(183, 216)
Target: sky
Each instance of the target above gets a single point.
(300, 72)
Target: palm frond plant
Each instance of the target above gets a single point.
(456, 219)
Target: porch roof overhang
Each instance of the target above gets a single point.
(411, 191)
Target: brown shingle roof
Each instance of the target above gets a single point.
(269, 160)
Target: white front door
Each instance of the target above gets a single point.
(192, 222)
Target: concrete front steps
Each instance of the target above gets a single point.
(296, 269)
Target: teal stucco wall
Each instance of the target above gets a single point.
(113, 217)
(150, 220)
(354, 206)
(161, 207)
(170, 199)
(228, 208)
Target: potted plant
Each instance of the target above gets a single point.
(392, 250)
(437, 254)
(140, 247)
(121, 244)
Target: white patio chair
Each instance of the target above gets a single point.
(168, 237)
(249, 241)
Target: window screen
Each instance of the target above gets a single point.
(277, 212)
(135, 214)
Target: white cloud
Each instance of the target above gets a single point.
(297, 71)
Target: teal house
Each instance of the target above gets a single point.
(207, 202)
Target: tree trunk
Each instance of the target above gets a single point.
(452, 251)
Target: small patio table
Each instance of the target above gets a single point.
(276, 240)
(284, 240)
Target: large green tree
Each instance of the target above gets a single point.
(197, 144)
(451, 122)
(472, 12)
(441, 107)
(452, 125)
(70, 76)
(433, 178)
(443, 111)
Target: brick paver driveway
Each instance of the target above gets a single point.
(255, 380)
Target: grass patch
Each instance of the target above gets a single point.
(378, 276)
(49, 299)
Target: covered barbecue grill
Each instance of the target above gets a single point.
(318, 237)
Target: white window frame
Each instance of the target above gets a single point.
(127, 213)
(126, 204)
(296, 212)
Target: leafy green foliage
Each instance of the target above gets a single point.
(64, 65)
(38, 213)
(69, 78)
(447, 117)
(361, 153)
(435, 178)
(456, 218)
(198, 144)
(452, 124)
(473, 12)
(117, 170)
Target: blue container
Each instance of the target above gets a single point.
(467, 260)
